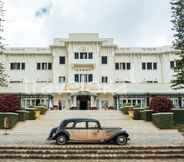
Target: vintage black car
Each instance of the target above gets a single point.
(87, 130)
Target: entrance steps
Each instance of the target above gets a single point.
(92, 152)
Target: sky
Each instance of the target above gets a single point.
(132, 23)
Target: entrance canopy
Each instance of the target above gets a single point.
(84, 93)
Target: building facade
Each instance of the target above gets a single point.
(85, 71)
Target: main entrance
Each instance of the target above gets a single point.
(83, 102)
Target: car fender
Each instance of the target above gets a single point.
(62, 132)
(120, 133)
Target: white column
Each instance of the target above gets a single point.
(117, 103)
(75, 101)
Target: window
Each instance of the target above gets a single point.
(76, 55)
(17, 66)
(117, 66)
(90, 78)
(76, 77)
(44, 65)
(83, 55)
(38, 66)
(143, 66)
(83, 78)
(123, 66)
(69, 125)
(149, 65)
(62, 60)
(90, 55)
(61, 79)
(104, 59)
(49, 66)
(128, 66)
(154, 65)
(104, 79)
(80, 125)
(172, 65)
(93, 125)
(23, 66)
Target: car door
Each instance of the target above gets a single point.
(95, 133)
(79, 131)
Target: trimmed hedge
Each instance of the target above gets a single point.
(178, 116)
(42, 109)
(126, 108)
(23, 115)
(146, 115)
(163, 120)
(12, 119)
(33, 113)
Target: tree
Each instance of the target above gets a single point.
(177, 7)
(3, 76)
(161, 104)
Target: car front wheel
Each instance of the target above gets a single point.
(121, 140)
(61, 140)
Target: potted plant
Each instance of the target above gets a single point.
(162, 115)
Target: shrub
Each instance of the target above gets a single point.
(9, 103)
(161, 104)
(125, 109)
(163, 120)
(42, 109)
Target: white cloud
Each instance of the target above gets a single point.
(129, 22)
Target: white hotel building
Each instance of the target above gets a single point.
(85, 71)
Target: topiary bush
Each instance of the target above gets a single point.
(9, 103)
(161, 104)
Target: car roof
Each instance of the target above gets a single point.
(80, 120)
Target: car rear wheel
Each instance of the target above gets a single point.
(61, 140)
(121, 140)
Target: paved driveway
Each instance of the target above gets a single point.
(141, 132)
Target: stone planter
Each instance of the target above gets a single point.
(33, 113)
(178, 116)
(163, 120)
(137, 115)
(11, 119)
(146, 115)
(23, 115)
